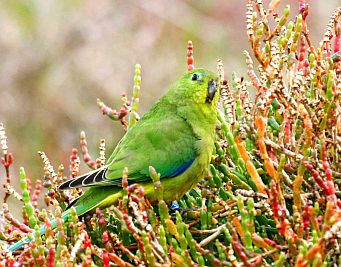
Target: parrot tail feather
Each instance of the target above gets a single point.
(88, 179)
(42, 231)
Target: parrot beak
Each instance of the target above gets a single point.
(211, 89)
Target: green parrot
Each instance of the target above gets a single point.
(175, 137)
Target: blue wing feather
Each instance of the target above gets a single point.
(179, 169)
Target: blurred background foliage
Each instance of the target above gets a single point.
(58, 56)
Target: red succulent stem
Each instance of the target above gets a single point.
(190, 57)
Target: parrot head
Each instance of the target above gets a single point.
(199, 86)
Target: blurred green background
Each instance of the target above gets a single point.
(58, 56)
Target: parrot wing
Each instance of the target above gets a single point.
(164, 141)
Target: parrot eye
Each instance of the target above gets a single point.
(195, 77)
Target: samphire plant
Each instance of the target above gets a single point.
(271, 196)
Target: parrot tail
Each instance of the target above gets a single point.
(100, 197)
(27, 239)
